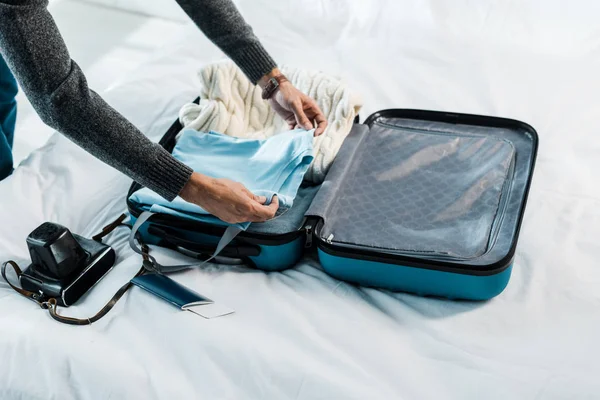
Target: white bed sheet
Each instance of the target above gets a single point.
(300, 334)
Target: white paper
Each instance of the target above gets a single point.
(211, 310)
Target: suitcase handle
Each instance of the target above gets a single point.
(230, 251)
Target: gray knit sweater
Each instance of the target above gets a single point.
(36, 53)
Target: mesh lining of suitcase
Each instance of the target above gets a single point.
(442, 189)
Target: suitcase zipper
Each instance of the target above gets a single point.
(310, 223)
(308, 230)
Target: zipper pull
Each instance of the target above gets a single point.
(308, 229)
(329, 238)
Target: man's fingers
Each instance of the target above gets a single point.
(274, 206)
(314, 113)
(301, 118)
(321, 123)
(264, 213)
(260, 199)
(291, 120)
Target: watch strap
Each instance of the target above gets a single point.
(272, 85)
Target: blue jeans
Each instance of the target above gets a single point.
(8, 116)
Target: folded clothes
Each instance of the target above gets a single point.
(266, 167)
(231, 104)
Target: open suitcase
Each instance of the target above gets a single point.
(417, 201)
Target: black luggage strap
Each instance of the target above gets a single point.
(50, 304)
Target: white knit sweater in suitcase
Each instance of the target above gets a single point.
(230, 104)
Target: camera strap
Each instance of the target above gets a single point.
(50, 304)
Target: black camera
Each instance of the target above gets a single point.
(64, 265)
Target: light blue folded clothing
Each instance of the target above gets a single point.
(266, 167)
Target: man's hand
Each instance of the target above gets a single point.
(296, 108)
(227, 200)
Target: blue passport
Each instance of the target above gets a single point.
(180, 296)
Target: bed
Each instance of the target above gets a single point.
(300, 334)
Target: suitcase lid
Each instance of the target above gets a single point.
(429, 189)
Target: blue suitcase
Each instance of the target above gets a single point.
(417, 201)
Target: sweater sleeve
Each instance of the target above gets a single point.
(56, 87)
(222, 23)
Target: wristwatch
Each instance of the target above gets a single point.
(272, 86)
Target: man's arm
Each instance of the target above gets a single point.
(56, 87)
(222, 23)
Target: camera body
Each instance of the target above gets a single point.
(64, 265)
